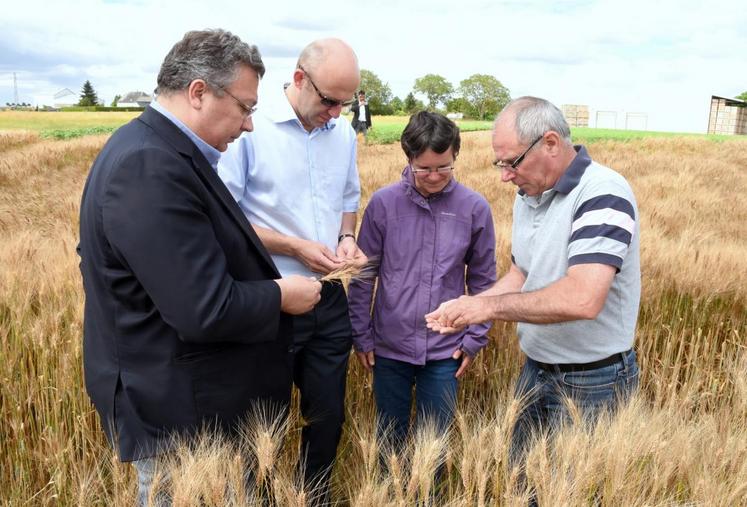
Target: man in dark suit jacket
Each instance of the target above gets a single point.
(361, 109)
(187, 320)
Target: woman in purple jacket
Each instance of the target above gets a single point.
(432, 237)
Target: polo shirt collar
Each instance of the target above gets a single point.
(572, 176)
(282, 111)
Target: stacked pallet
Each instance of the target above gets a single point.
(728, 116)
(576, 115)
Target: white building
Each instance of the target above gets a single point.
(135, 99)
(64, 98)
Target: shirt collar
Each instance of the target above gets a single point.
(211, 154)
(572, 176)
(281, 111)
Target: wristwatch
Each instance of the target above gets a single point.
(345, 235)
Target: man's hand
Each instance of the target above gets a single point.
(466, 361)
(316, 256)
(457, 314)
(348, 251)
(366, 359)
(298, 294)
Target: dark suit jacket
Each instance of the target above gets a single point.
(355, 108)
(182, 322)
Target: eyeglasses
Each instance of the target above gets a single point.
(248, 111)
(326, 101)
(419, 171)
(512, 165)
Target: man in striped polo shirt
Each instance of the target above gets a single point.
(574, 282)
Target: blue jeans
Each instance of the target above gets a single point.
(146, 469)
(435, 395)
(544, 393)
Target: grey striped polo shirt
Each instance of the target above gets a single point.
(589, 216)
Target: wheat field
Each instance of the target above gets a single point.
(681, 441)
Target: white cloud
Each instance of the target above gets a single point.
(662, 58)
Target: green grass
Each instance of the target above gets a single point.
(50, 121)
(77, 132)
(588, 135)
(386, 129)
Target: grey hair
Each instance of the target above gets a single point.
(533, 117)
(212, 55)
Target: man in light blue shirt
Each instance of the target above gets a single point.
(296, 180)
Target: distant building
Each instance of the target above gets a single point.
(728, 116)
(455, 116)
(65, 98)
(576, 115)
(135, 99)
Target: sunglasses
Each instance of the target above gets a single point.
(326, 101)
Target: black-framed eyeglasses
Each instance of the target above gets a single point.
(248, 111)
(326, 101)
(419, 171)
(512, 165)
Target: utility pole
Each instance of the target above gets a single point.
(15, 92)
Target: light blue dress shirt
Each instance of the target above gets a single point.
(211, 154)
(295, 182)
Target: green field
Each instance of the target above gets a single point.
(59, 125)
(44, 121)
(386, 129)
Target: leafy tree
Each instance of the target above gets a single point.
(397, 105)
(88, 95)
(413, 105)
(459, 105)
(378, 94)
(485, 94)
(435, 87)
(116, 100)
(743, 96)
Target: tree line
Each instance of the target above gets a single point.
(480, 96)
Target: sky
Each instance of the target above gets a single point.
(661, 58)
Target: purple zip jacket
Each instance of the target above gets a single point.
(423, 246)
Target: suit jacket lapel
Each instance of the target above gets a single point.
(216, 184)
(185, 146)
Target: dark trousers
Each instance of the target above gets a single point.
(322, 340)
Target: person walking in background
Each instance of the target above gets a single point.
(431, 235)
(187, 321)
(296, 179)
(361, 115)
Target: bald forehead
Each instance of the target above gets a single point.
(325, 52)
(504, 127)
